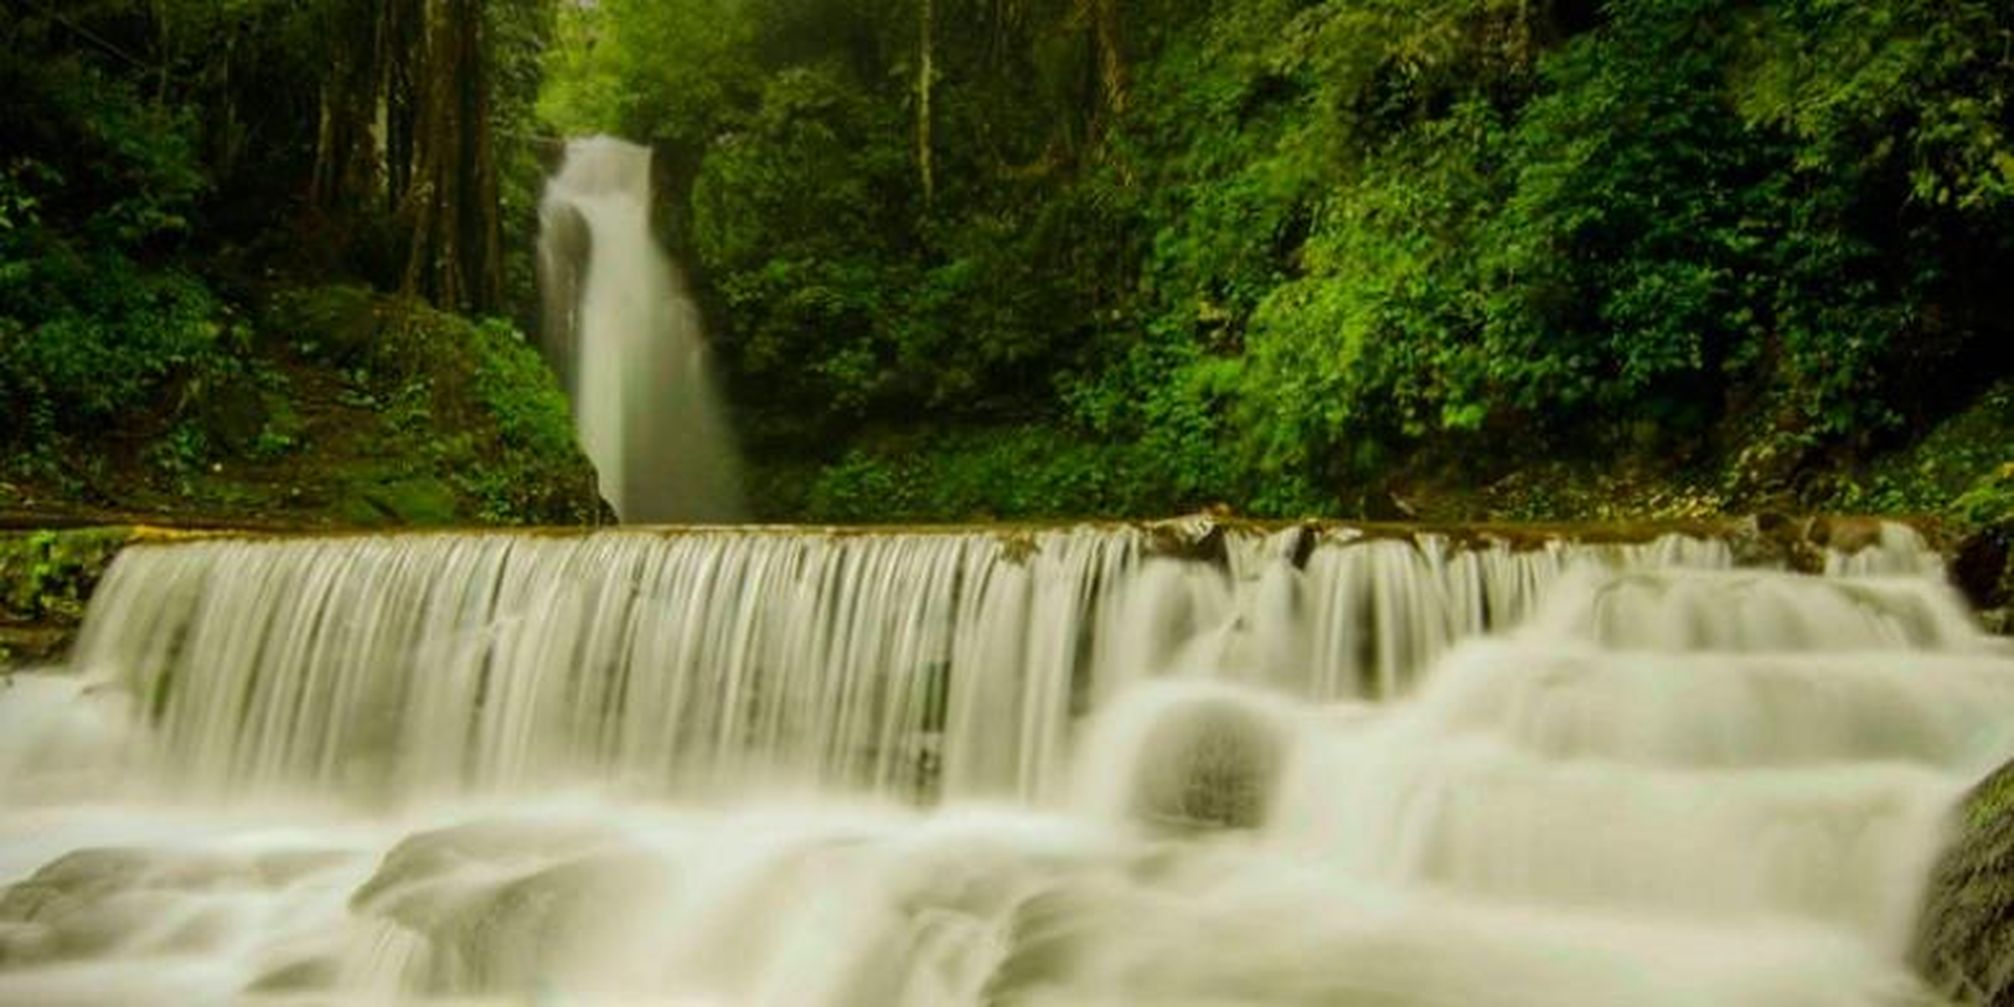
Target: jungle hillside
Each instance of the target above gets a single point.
(272, 261)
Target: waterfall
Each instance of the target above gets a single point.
(679, 661)
(627, 339)
(1119, 764)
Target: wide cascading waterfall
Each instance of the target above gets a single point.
(626, 337)
(1156, 764)
(433, 664)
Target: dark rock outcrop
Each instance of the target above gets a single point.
(1982, 566)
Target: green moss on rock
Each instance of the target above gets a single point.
(46, 577)
(1963, 468)
(329, 407)
(448, 420)
(1965, 943)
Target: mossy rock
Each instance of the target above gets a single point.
(336, 407)
(1965, 941)
(442, 419)
(1212, 763)
(420, 500)
(1962, 469)
(46, 578)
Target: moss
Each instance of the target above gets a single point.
(469, 419)
(1965, 943)
(1029, 471)
(46, 577)
(1963, 468)
(334, 323)
(422, 500)
(343, 408)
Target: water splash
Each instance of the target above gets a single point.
(627, 339)
(904, 663)
(699, 768)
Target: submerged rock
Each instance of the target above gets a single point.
(161, 901)
(1982, 566)
(1210, 762)
(45, 578)
(507, 906)
(1965, 940)
(306, 975)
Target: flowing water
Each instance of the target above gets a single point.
(626, 337)
(1063, 766)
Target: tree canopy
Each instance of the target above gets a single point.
(1272, 253)
(1065, 257)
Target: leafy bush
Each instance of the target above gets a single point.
(86, 330)
(980, 474)
(1283, 254)
(476, 425)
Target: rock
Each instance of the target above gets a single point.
(1846, 534)
(308, 975)
(402, 887)
(88, 901)
(502, 907)
(1201, 540)
(1045, 943)
(1767, 539)
(1209, 763)
(1980, 568)
(1965, 936)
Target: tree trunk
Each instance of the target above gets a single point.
(347, 157)
(405, 138)
(926, 72)
(453, 241)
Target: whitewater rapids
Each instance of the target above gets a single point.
(943, 768)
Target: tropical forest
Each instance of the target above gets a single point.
(1007, 502)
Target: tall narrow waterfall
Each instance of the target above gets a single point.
(1120, 765)
(627, 339)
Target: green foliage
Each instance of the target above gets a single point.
(1123, 256)
(100, 177)
(1960, 469)
(1635, 245)
(1990, 500)
(804, 221)
(1317, 245)
(83, 340)
(46, 576)
(977, 474)
(156, 168)
(460, 421)
(658, 72)
(519, 32)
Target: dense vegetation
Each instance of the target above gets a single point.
(179, 182)
(1543, 258)
(1151, 254)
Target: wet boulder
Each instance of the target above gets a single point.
(1965, 938)
(1209, 762)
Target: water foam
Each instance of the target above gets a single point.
(1044, 767)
